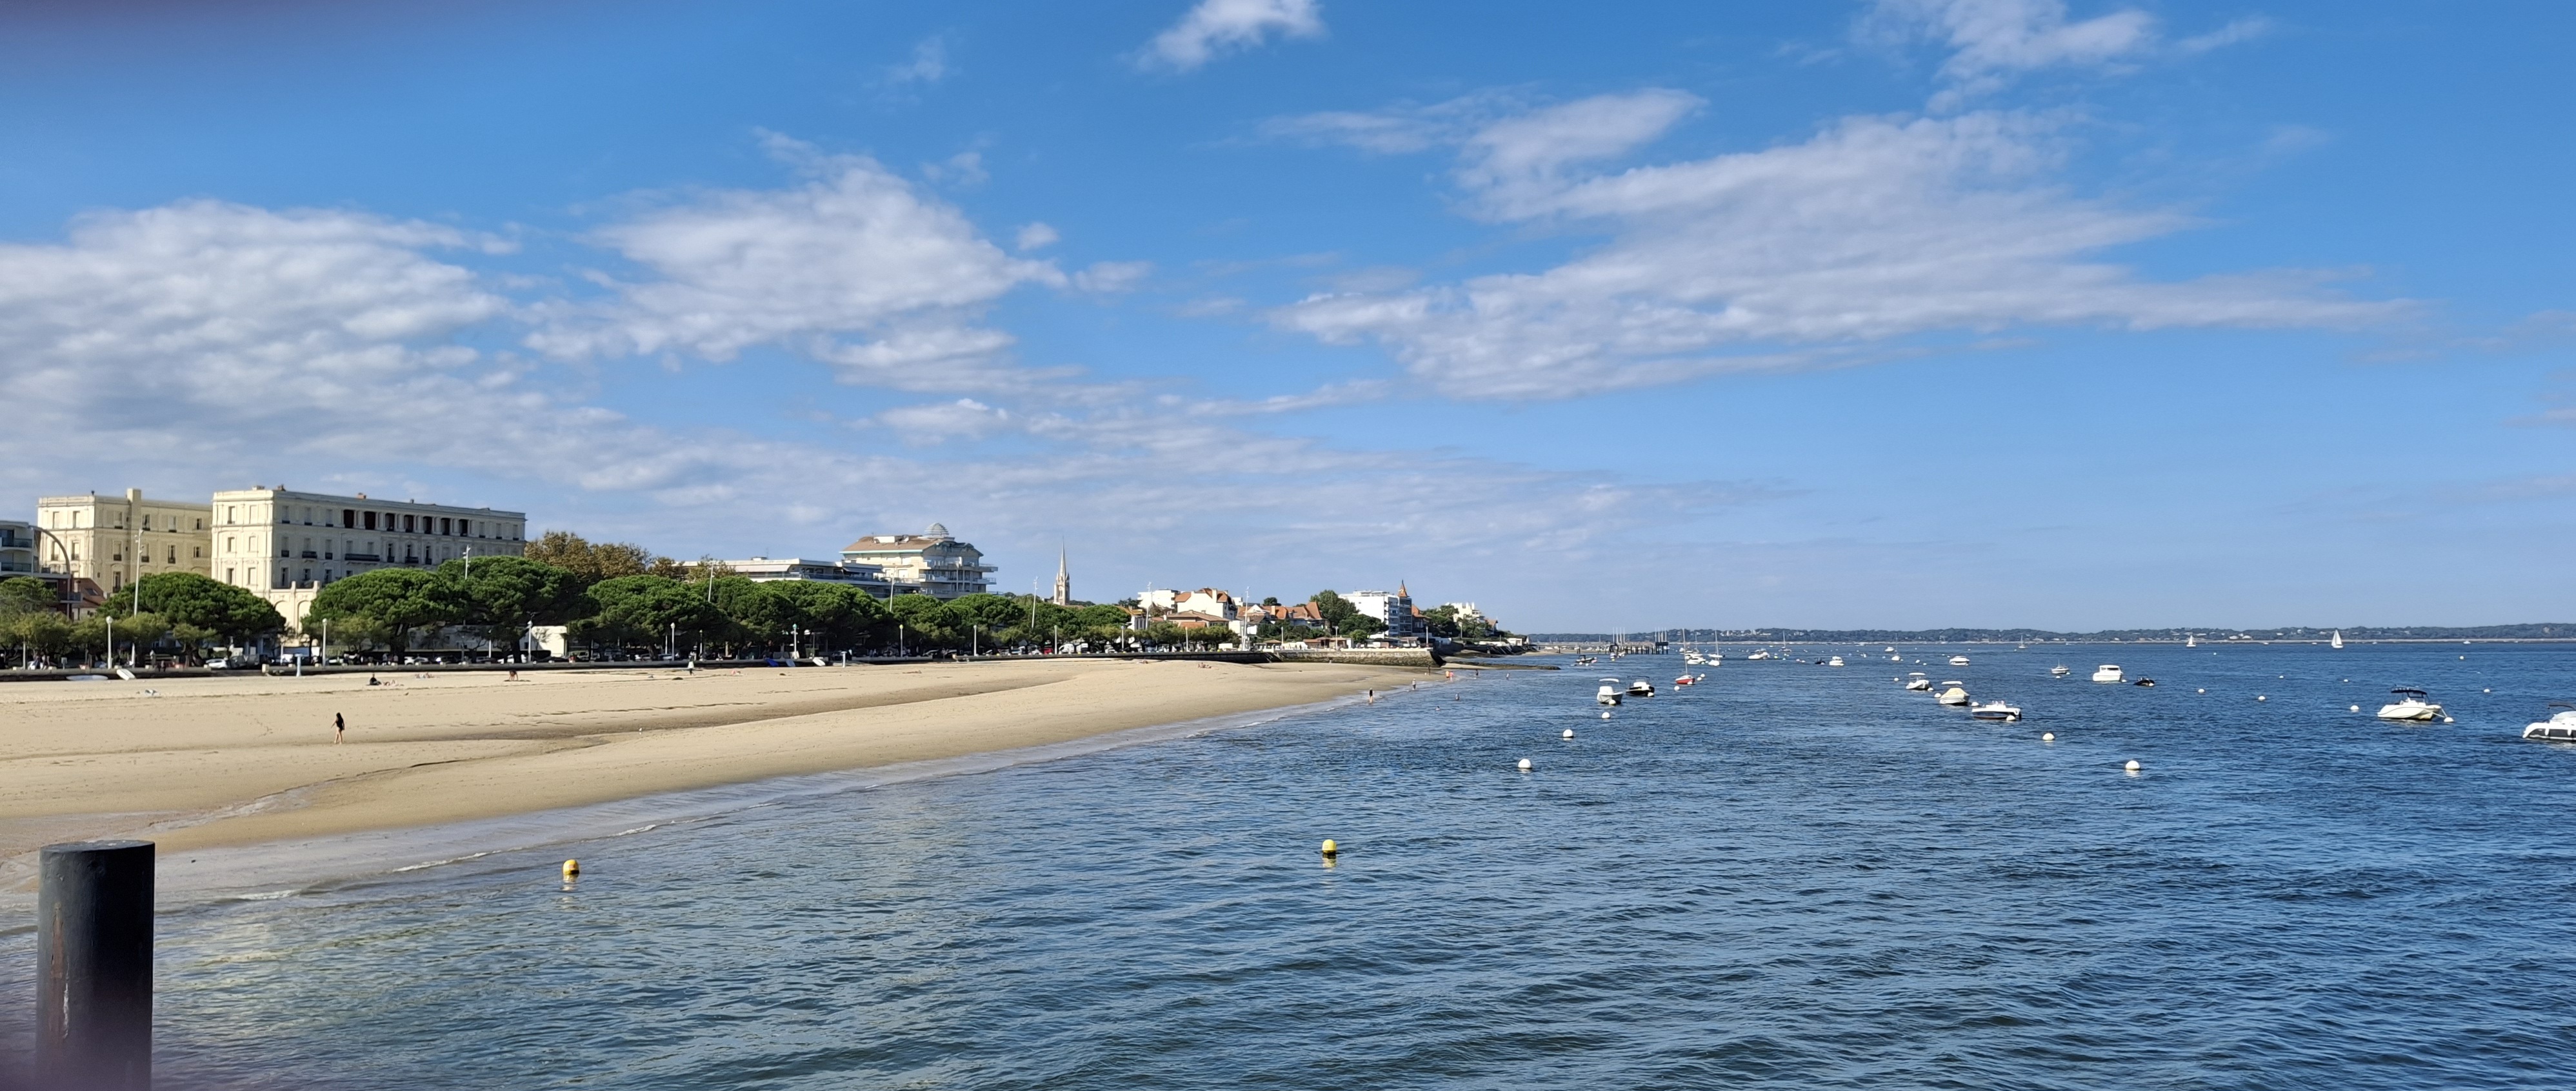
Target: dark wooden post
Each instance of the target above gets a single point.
(94, 983)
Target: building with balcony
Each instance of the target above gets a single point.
(932, 563)
(1396, 609)
(102, 543)
(17, 548)
(864, 577)
(286, 546)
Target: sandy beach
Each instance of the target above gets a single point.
(232, 761)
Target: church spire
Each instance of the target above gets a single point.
(1063, 580)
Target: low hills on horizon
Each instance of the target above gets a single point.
(2532, 631)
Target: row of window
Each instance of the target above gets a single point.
(388, 521)
(172, 557)
(78, 520)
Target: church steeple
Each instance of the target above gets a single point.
(1063, 580)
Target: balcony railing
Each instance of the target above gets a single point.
(370, 558)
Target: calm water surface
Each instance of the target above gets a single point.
(1791, 876)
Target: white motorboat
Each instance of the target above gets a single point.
(1918, 683)
(1958, 661)
(1995, 710)
(2107, 672)
(1834, 662)
(2410, 706)
(1609, 694)
(1641, 688)
(2558, 728)
(1758, 654)
(2059, 671)
(1955, 695)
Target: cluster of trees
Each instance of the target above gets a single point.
(616, 596)
(1445, 622)
(181, 613)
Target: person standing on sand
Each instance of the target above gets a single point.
(339, 728)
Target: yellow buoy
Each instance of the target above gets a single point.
(572, 868)
(1331, 849)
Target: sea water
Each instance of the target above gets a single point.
(1790, 876)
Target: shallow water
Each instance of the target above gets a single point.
(1790, 876)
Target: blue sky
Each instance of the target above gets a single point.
(1889, 313)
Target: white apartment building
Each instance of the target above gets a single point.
(17, 548)
(1205, 600)
(287, 545)
(105, 542)
(932, 562)
(1395, 609)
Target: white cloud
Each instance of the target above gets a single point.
(964, 418)
(1037, 236)
(1831, 251)
(2240, 30)
(853, 266)
(1398, 129)
(929, 63)
(1991, 41)
(1111, 277)
(1215, 26)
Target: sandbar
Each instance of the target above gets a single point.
(209, 762)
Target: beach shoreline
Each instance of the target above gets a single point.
(227, 763)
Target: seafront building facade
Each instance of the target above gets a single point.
(932, 563)
(864, 577)
(1403, 620)
(286, 546)
(17, 548)
(101, 543)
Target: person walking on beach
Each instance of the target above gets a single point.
(339, 728)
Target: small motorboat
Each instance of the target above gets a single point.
(2410, 706)
(1609, 694)
(1641, 688)
(1684, 680)
(1759, 655)
(1896, 659)
(1919, 683)
(2108, 672)
(1995, 710)
(1585, 661)
(2059, 671)
(1955, 695)
(2558, 728)
(1958, 661)
(2149, 682)
(1834, 662)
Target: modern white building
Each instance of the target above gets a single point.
(102, 543)
(864, 577)
(17, 548)
(932, 563)
(1394, 608)
(286, 546)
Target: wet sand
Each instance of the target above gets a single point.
(233, 761)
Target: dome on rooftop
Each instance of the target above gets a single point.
(935, 531)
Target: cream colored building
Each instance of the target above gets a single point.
(932, 563)
(106, 542)
(287, 546)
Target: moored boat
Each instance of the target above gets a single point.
(1609, 694)
(1995, 710)
(2558, 728)
(2410, 706)
(1955, 695)
(2108, 672)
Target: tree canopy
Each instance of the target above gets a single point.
(188, 599)
(590, 562)
(401, 600)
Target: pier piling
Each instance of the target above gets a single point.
(94, 975)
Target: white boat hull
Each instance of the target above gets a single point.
(2410, 712)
